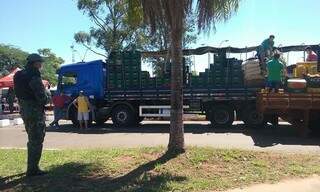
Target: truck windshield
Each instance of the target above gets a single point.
(68, 79)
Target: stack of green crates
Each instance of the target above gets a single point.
(235, 73)
(219, 74)
(152, 83)
(165, 78)
(145, 78)
(163, 81)
(124, 70)
(222, 73)
(132, 68)
(195, 81)
(115, 77)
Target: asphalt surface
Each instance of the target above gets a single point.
(155, 133)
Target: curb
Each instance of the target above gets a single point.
(10, 122)
(18, 121)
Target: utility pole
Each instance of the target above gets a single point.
(208, 60)
(85, 54)
(304, 53)
(194, 62)
(72, 52)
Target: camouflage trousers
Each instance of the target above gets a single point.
(34, 119)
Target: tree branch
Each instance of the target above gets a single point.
(97, 20)
(89, 48)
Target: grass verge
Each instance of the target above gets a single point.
(150, 169)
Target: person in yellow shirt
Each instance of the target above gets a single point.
(83, 105)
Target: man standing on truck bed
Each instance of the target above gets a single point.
(32, 98)
(311, 55)
(275, 71)
(266, 48)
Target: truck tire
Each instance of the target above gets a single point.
(222, 116)
(252, 118)
(122, 116)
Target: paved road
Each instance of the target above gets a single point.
(154, 133)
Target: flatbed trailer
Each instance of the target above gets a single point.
(126, 105)
(221, 106)
(211, 94)
(302, 110)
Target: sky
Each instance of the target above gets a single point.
(34, 24)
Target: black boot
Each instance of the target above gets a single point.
(34, 155)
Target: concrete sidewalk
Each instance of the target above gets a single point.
(311, 184)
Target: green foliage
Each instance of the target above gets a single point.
(117, 29)
(51, 64)
(112, 30)
(159, 40)
(10, 58)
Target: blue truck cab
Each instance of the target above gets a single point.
(89, 77)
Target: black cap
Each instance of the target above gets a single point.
(32, 58)
(308, 48)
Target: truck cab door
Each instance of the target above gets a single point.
(68, 83)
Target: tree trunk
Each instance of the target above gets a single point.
(176, 140)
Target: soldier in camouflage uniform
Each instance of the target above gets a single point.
(32, 98)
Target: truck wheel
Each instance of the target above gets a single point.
(122, 116)
(252, 118)
(222, 116)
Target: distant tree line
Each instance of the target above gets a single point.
(12, 57)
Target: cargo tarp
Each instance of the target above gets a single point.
(207, 49)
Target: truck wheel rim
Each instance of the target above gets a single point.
(221, 117)
(122, 116)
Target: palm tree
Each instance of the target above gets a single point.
(173, 14)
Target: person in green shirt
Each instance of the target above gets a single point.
(275, 71)
(266, 48)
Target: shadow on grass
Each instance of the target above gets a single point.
(88, 177)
